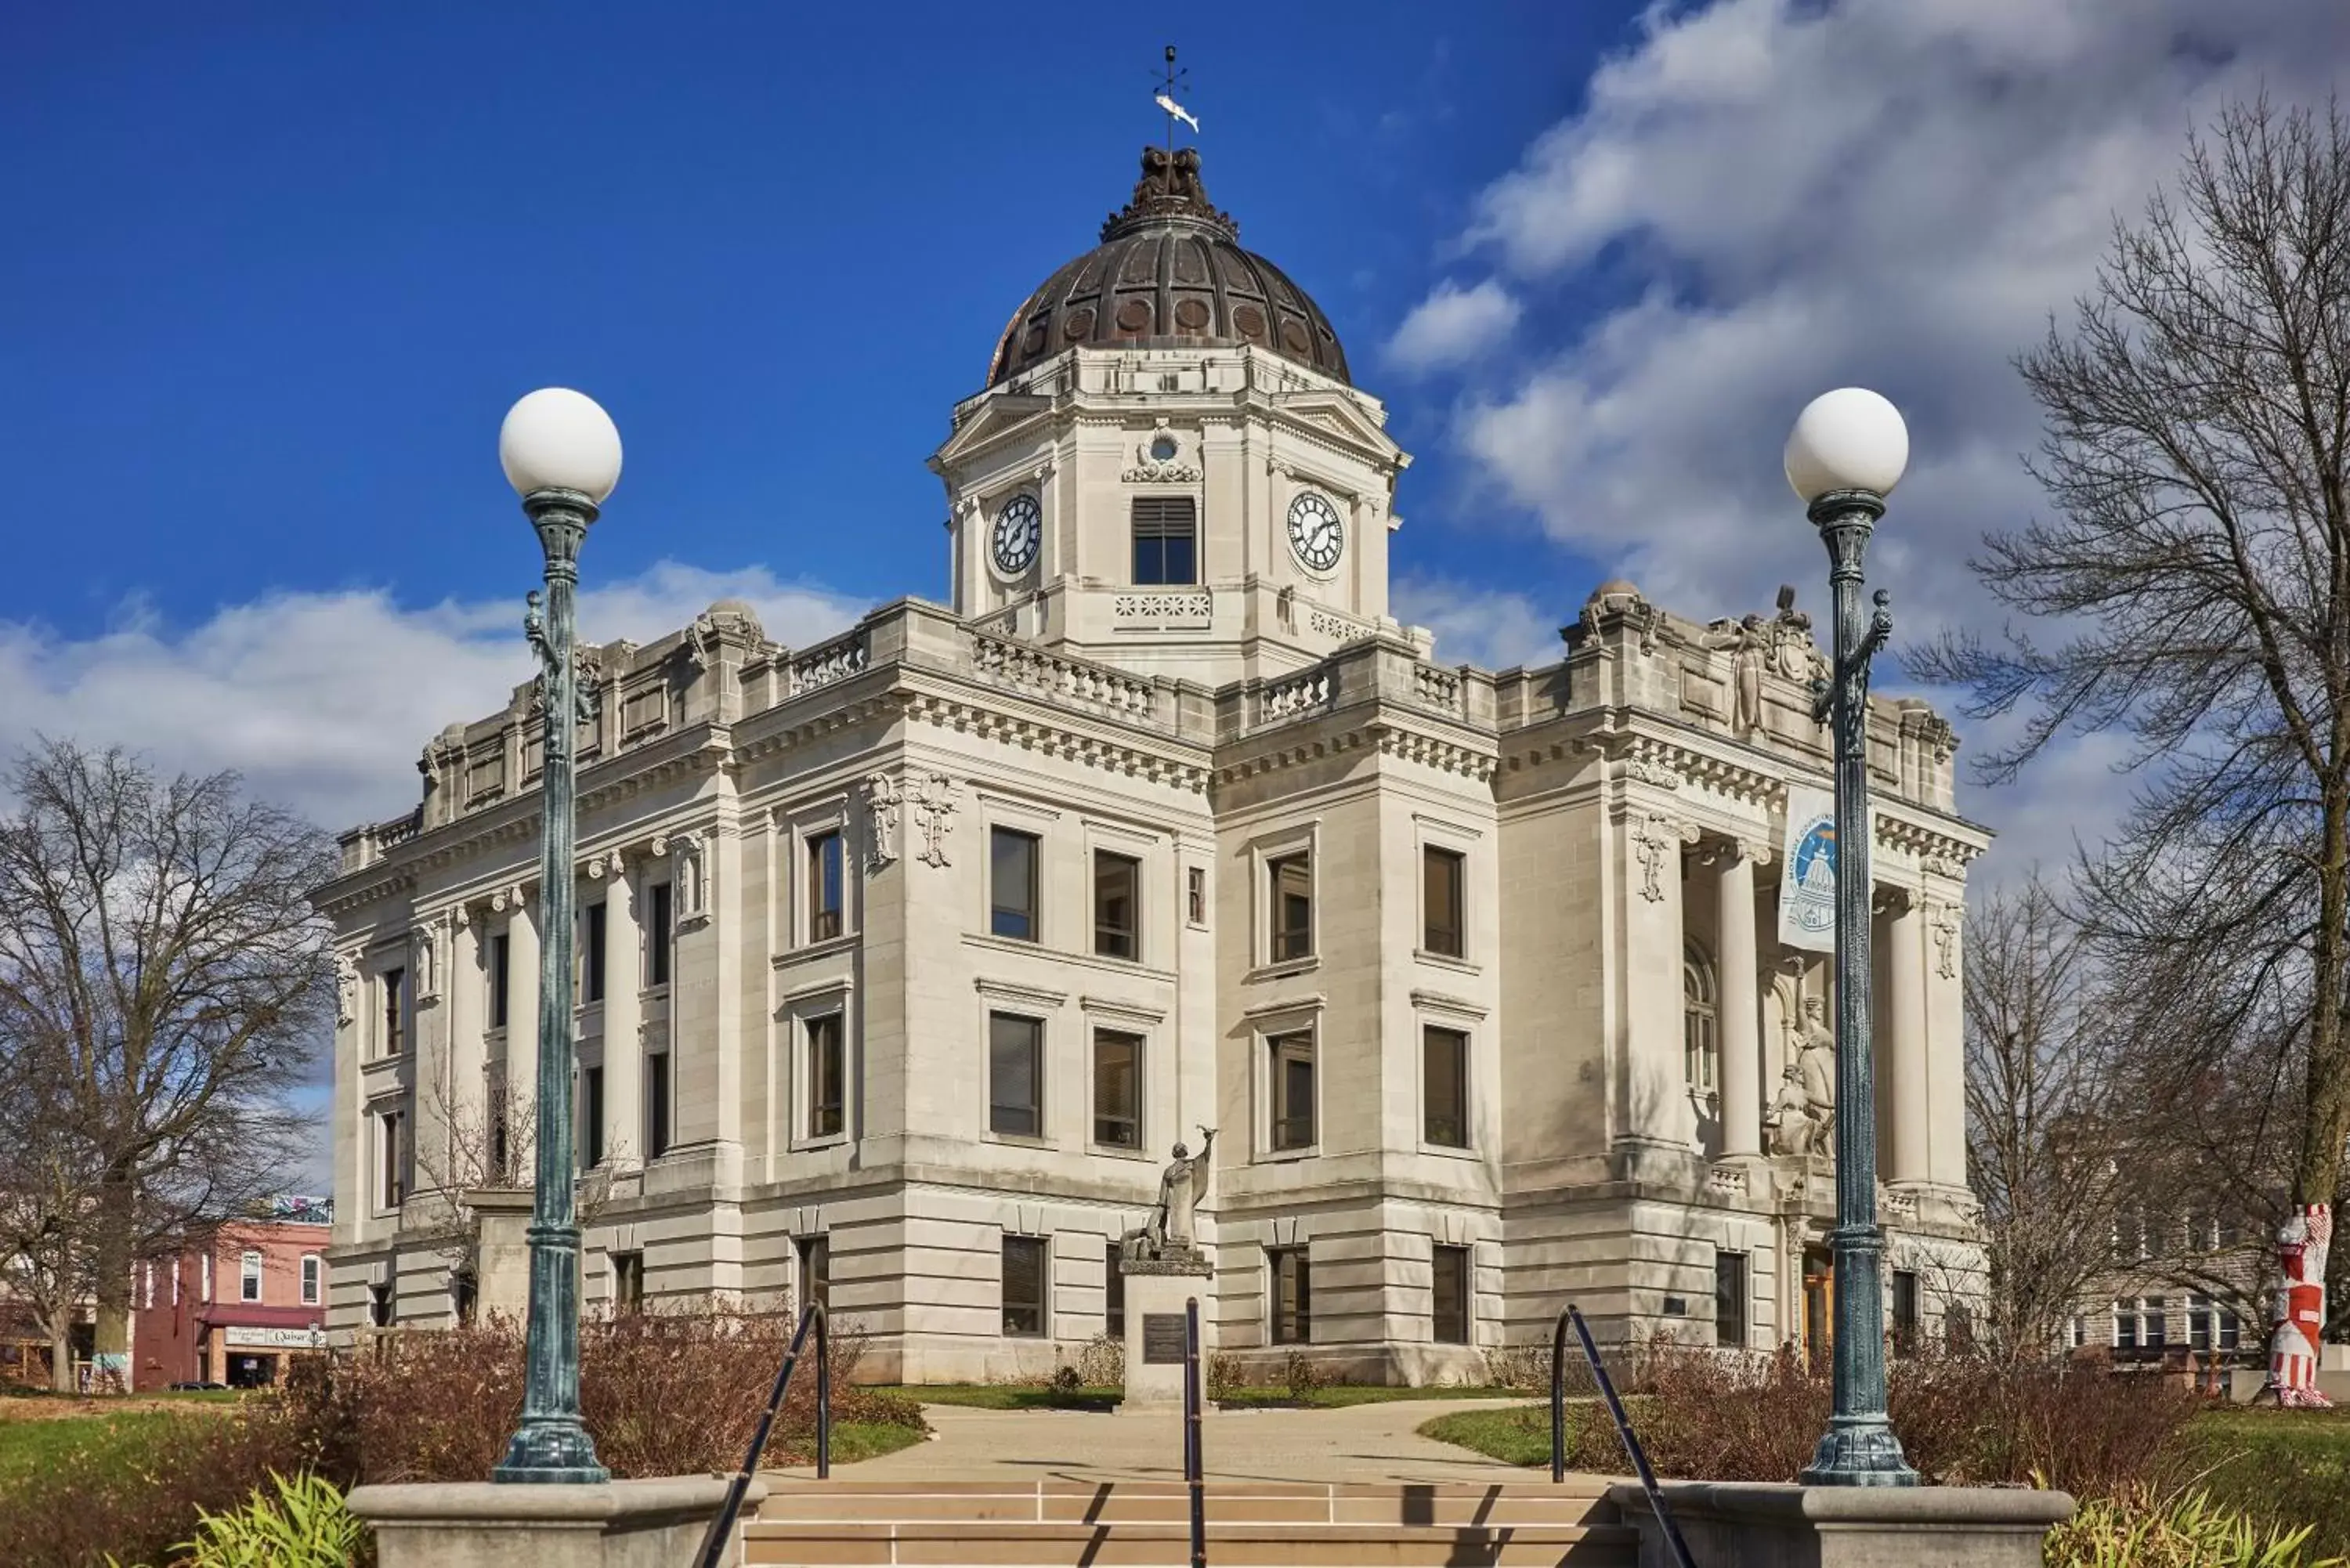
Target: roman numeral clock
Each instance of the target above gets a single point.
(1317, 536)
(1019, 529)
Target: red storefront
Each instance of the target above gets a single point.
(234, 1307)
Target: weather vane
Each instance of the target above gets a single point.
(1165, 99)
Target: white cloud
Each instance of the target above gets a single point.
(1892, 193)
(1452, 325)
(324, 700)
(1494, 629)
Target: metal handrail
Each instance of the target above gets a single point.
(714, 1541)
(1614, 1408)
(1194, 1463)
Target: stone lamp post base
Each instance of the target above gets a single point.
(1736, 1524)
(655, 1524)
(1156, 1290)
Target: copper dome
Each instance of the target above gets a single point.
(1168, 273)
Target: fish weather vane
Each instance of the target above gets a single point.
(1165, 100)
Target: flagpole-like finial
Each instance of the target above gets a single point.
(1165, 100)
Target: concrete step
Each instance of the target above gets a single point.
(1139, 1525)
(1581, 1500)
(996, 1544)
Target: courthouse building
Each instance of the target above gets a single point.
(906, 957)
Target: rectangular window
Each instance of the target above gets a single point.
(1449, 1276)
(1443, 878)
(392, 1147)
(1290, 888)
(501, 978)
(204, 1273)
(825, 891)
(826, 1103)
(1023, 1286)
(1195, 896)
(496, 1109)
(1292, 1090)
(395, 1016)
(1165, 532)
(816, 1272)
(2199, 1322)
(591, 1142)
(1118, 884)
(628, 1282)
(380, 1306)
(591, 979)
(657, 937)
(1015, 1075)
(1904, 1312)
(657, 1111)
(1117, 1089)
(2125, 1326)
(313, 1279)
(1444, 1087)
(1011, 884)
(2080, 1330)
(248, 1277)
(2153, 1332)
(1292, 1294)
(2230, 1330)
(1729, 1299)
(1114, 1292)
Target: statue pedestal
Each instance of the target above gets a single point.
(1156, 1292)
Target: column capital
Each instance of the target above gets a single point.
(1728, 849)
(1888, 900)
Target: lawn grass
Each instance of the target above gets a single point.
(2288, 1467)
(1515, 1434)
(30, 1448)
(855, 1440)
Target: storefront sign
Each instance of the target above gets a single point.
(238, 1335)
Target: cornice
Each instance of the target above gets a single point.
(1379, 733)
(769, 740)
(949, 712)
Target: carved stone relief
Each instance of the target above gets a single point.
(1657, 835)
(882, 802)
(1946, 920)
(934, 807)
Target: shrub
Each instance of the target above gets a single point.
(1102, 1363)
(671, 1392)
(136, 1487)
(1222, 1374)
(307, 1527)
(2138, 1529)
(1301, 1376)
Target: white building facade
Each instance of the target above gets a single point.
(905, 958)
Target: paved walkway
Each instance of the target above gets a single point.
(1373, 1442)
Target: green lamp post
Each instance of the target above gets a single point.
(562, 455)
(1846, 453)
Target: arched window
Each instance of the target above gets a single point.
(1700, 1041)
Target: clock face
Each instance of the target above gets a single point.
(1317, 535)
(1019, 529)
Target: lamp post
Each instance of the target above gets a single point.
(1847, 452)
(562, 455)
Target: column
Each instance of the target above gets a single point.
(521, 1029)
(1652, 1084)
(1904, 1017)
(461, 997)
(1741, 1009)
(1946, 1047)
(624, 1046)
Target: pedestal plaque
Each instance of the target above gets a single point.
(1156, 1292)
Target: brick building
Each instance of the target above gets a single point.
(232, 1307)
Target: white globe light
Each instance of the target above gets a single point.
(556, 438)
(1850, 439)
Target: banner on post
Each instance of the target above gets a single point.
(1807, 871)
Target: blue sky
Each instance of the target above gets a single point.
(274, 274)
(279, 270)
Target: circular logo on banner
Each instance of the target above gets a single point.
(1812, 876)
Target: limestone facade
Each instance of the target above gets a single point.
(907, 956)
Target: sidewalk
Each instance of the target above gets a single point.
(1374, 1442)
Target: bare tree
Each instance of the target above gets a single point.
(164, 981)
(488, 1144)
(2198, 571)
(47, 1185)
(2043, 1138)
